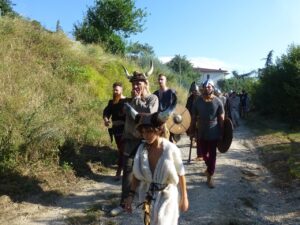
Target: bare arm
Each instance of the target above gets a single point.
(184, 202)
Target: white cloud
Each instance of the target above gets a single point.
(209, 63)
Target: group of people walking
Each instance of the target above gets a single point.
(150, 160)
(151, 164)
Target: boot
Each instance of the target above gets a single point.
(210, 182)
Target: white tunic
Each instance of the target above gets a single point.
(165, 206)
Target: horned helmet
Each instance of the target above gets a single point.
(139, 76)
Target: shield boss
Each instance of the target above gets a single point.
(179, 121)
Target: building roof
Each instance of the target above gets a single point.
(206, 70)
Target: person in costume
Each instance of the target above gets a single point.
(158, 174)
(142, 102)
(114, 111)
(234, 104)
(167, 98)
(208, 113)
(194, 93)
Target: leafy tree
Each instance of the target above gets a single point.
(279, 87)
(58, 27)
(184, 68)
(109, 22)
(269, 59)
(242, 76)
(138, 50)
(6, 8)
(234, 84)
(180, 64)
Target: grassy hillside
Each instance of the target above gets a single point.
(52, 94)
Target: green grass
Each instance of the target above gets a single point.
(52, 93)
(280, 146)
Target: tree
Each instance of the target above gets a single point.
(138, 50)
(242, 76)
(58, 27)
(269, 59)
(109, 22)
(279, 87)
(6, 8)
(184, 68)
(180, 64)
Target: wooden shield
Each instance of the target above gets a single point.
(225, 143)
(179, 121)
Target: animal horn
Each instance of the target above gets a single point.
(151, 69)
(126, 72)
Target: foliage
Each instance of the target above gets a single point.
(58, 27)
(136, 50)
(233, 84)
(242, 76)
(279, 87)
(109, 22)
(53, 91)
(184, 70)
(269, 59)
(6, 8)
(172, 77)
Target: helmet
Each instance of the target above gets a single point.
(194, 87)
(207, 82)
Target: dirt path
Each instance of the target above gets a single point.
(244, 194)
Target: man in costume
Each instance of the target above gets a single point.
(159, 172)
(224, 100)
(114, 110)
(167, 98)
(143, 102)
(208, 113)
(234, 104)
(194, 94)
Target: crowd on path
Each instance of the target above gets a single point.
(149, 161)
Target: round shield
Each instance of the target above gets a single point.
(179, 121)
(225, 143)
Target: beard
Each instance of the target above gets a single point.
(206, 93)
(116, 98)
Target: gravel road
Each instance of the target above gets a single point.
(243, 195)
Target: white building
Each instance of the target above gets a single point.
(213, 74)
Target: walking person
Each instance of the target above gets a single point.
(167, 98)
(143, 102)
(245, 104)
(208, 113)
(114, 112)
(194, 94)
(234, 104)
(158, 171)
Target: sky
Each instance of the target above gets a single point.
(227, 34)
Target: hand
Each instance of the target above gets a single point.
(184, 204)
(128, 204)
(136, 92)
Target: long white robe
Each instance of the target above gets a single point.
(165, 206)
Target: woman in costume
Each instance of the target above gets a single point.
(158, 174)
